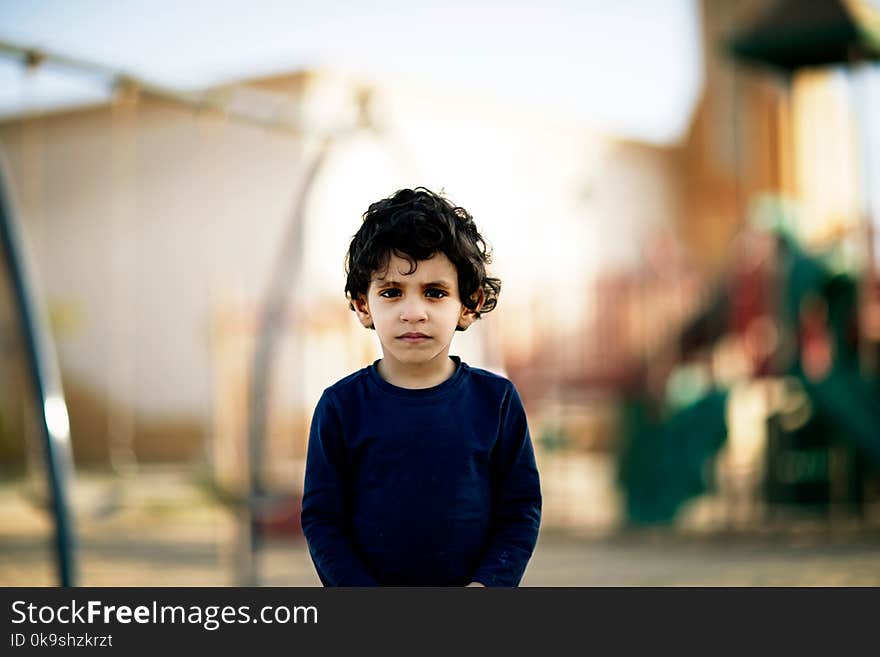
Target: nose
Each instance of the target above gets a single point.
(413, 310)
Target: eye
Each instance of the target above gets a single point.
(434, 293)
(389, 293)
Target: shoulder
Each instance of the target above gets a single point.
(349, 381)
(485, 377)
(491, 383)
(346, 387)
(491, 395)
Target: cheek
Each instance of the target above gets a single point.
(452, 315)
(383, 315)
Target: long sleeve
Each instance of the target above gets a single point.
(516, 495)
(325, 520)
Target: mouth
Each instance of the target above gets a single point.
(413, 337)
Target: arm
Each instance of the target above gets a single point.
(324, 507)
(516, 499)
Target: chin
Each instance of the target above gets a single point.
(414, 359)
(411, 356)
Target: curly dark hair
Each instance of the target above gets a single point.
(415, 224)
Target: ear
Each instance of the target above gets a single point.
(469, 316)
(362, 310)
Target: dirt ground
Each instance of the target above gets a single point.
(164, 531)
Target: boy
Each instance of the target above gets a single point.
(420, 469)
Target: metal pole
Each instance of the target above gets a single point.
(46, 381)
(273, 313)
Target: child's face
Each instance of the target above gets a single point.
(415, 315)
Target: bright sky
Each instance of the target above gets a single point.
(633, 67)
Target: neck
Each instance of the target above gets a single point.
(416, 375)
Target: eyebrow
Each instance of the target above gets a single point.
(389, 282)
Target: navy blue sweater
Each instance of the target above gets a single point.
(429, 487)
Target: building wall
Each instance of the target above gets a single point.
(141, 217)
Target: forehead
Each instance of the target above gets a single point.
(436, 268)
